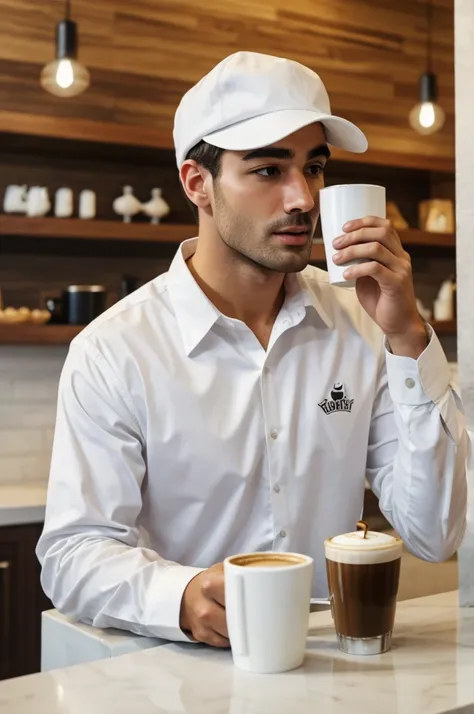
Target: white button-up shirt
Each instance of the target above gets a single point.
(180, 440)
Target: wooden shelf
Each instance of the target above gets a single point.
(51, 227)
(416, 237)
(130, 135)
(28, 333)
(444, 327)
(83, 130)
(93, 229)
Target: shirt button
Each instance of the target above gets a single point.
(274, 434)
(282, 534)
(409, 382)
(276, 488)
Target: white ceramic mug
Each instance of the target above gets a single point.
(342, 203)
(267, 598)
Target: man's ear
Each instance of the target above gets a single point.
(196, 180)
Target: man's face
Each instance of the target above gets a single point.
(266, 202)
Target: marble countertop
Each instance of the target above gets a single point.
(430, 669)
(22, 503)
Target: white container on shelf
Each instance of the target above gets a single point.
(443, 308)
(156, 207)
(38, 203)
(63, 203)
(127, 205)
(15, 199)
(87, 204)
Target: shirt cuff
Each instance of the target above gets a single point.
(414, 382)
(163, 616)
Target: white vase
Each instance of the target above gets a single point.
(38, 203)
(443, 308)
(87, 204)
(15, 199)
(127, 205)
(157, 207)
(63, 203)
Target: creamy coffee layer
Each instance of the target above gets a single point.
(267, 560)
(353, 548)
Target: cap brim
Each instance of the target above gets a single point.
(269, 128)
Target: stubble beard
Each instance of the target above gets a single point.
(238, 234)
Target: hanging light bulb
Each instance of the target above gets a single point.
(427, 116)
(65, 76)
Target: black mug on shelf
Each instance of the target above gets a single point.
(78, 304)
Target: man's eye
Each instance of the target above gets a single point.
(315, 169)
(268, 171)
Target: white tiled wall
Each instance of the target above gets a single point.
(29, 379)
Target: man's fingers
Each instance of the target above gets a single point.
(368, 251)
(220, 622)
(212, 616)
(203, 608)
(380, 234)
(209, 637)
(372, 269)
(365, 222)
(211, 626)
(213, 585)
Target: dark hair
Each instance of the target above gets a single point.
(208, 156)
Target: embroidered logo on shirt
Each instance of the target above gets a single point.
(338, 401)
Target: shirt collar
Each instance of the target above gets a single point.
(196, 314)
(306, 291)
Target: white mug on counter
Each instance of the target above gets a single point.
(267, 600)
(340, 204)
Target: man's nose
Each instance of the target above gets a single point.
(298, 196)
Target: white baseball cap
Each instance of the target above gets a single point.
(251, 100)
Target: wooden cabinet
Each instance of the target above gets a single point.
(21, 601)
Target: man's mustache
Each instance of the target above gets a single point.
(300, 219)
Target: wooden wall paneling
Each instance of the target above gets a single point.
(143, 56)
(30, 278)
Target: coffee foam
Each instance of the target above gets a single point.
(355, 549)
(268, 560)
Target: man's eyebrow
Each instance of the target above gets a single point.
(273, 152)
(322, 150)
(269, 152)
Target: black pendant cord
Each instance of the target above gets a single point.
(429, 39)
(66, 36)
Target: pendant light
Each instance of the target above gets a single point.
(65, 76)
(427, 116)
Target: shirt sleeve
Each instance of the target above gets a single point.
(418, 445)
(93, 569)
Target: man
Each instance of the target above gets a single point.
(191, 421)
